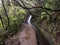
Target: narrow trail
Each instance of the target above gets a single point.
(27, 36)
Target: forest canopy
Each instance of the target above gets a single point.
(46, 16)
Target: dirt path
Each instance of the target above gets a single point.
(26, 37)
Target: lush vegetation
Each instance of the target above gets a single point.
(46, 16)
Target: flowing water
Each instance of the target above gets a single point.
(29, 19)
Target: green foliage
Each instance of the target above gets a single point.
(0, 24)
(53, 4)
(17, 14)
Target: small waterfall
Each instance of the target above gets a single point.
(29, 19)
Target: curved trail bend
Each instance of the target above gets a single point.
(27, 36)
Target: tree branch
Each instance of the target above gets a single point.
(5, 13)
(48, 9)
